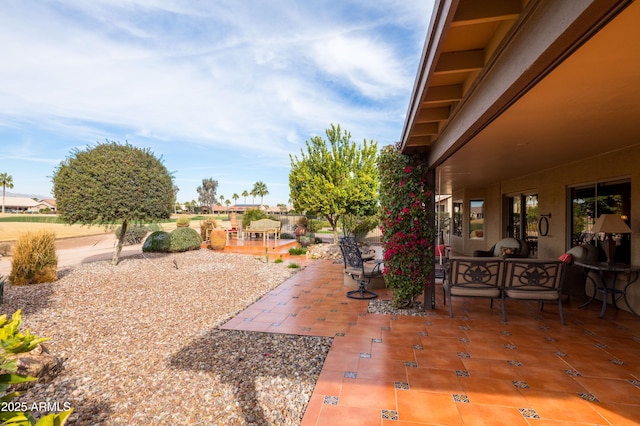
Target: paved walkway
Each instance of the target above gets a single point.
(74, 251)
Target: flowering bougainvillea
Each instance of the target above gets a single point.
(406, 234)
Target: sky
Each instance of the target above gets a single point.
(221, 89)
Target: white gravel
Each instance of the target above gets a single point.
(142, 343)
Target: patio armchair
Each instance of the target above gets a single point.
(575, 279)
(505, 248)
(537, 280)
(367, 255)
(473, 277)
(360, 271)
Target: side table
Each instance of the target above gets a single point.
(609, 286)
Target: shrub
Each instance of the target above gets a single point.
(183, 220)
(278, 260)
(157, 242)
(208, 223)
(293, 265)
(13, 342)
(297, 251)
(287, 236)
(303, 221)
(134, 235)
(34, 258)
(184, 239)
(406, 201)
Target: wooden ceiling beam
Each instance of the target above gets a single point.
(449, 93)
(427, 114)
(425, 129)
(467, 60)
(415, 141)
(476, 12)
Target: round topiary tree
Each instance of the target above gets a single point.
(184, 239)
(111, 183)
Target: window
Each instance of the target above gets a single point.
(523, 226)
(589, 202)
(457, 219)
(476, 219)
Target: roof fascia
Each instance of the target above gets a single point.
(441, 19)
(547, 33)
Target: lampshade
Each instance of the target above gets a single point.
(610, 224)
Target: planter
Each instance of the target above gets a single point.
(217, 239)
(300, 231)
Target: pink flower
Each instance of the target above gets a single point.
(407, 169)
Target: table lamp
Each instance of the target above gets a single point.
(610, 224)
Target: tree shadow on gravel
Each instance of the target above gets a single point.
(86, 411)
(241, 359)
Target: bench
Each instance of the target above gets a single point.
(523, 279)
(264, 227)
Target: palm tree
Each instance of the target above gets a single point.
(7, 182)
(235, 197)
(245, 194)
(253, 196)
(260, 188)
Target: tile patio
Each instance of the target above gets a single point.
(471, 369)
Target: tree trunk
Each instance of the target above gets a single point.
(333, 221)
(123, 231)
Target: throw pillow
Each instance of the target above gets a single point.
(566, 258)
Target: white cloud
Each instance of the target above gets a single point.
(251, 76)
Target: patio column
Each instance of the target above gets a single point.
(429, 291)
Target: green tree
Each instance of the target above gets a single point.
(245, 194)
(253, 196)
(335, 178)
(6, 181)
(235, 197)
(113, 182)
(207, 193)
(260, 189)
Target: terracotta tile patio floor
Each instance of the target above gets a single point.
(471, 369)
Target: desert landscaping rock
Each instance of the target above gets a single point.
(142, 344)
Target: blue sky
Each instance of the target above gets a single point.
(219, 89)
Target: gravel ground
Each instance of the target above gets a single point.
(142, 344)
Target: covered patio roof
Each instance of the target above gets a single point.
(516, 87)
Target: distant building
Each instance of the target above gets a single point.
(20, 205)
